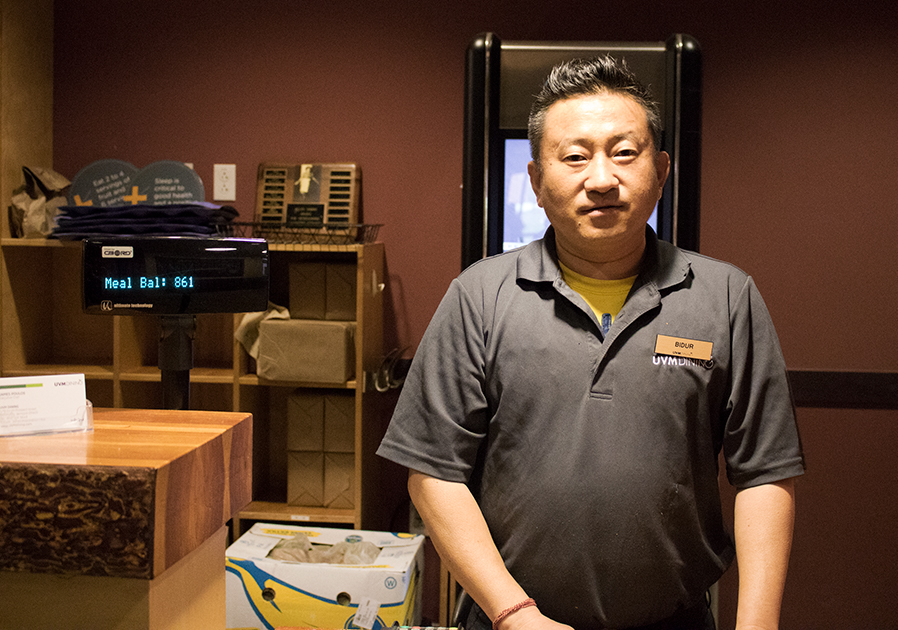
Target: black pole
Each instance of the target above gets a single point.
(176, 359)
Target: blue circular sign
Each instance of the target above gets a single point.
(102, 184)
(167, 182)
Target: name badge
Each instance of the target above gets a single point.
(682, 347)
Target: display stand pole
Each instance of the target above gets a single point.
(176, 359)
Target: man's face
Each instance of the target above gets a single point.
(600, 177)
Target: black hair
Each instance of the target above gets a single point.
(580, 77)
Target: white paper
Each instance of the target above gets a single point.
(43, 404)
(366, 615)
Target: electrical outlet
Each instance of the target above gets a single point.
(225, 185)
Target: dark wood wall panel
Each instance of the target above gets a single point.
(845, 390)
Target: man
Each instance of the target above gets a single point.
(565, 410)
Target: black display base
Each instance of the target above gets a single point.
(176, 337)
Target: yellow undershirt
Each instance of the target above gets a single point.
(605, 297)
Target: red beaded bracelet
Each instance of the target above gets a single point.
(502, 615)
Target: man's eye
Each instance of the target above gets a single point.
(574, 159)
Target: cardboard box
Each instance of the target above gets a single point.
(339, 473)
(340, 286)
(307, 290)
(321, 422)
(306, 350)
(321, 290)
(305, 421)
(305, 478)
(317, 479)
(339, 422)
(265, 593)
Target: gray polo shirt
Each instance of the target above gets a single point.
(595, 461)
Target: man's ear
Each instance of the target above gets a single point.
(535, 180)
(662, 168)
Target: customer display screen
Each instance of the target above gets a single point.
(174, 275)
(168, 273)
(144, 282)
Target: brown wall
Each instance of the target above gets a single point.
(797, 182)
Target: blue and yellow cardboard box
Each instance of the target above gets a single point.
(265, 593)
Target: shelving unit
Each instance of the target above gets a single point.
(269, 399)
(45, 332)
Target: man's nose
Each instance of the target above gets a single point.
(600, 174)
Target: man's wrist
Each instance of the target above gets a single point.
(527, 603)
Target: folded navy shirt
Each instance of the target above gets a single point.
(193, 219)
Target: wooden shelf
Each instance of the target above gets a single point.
(252, 379)
(43, 328)
(350, 248)
(96, 372)
(148, 374)
(266, 511)
(37, 242)
(354, 248)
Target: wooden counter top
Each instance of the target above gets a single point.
(128, 499)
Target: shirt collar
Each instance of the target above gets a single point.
(663, 265)
(538, 260)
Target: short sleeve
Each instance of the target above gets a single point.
(761, 441)
(441, 417)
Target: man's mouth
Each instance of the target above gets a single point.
(602, 208)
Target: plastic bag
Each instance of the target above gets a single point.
(300, 549)
(247, 332)
(35, 205)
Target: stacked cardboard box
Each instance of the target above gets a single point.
(317, 343)
(317, 346)
(320, 449)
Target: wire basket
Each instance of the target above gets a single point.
(327, 234)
